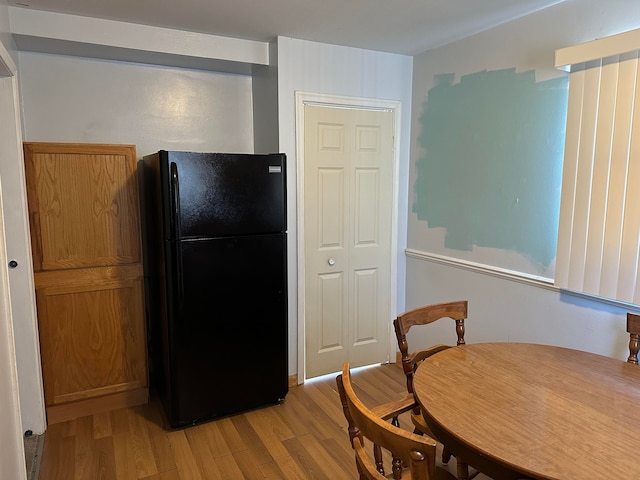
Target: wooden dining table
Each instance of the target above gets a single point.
(516, 410)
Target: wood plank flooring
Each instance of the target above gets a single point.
(303, 438)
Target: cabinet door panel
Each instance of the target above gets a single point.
(83, 206)
(92, 335)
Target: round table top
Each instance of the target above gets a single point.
(546, 412)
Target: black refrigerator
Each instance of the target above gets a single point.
(216, 282)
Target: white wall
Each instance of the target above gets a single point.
(265, 104)
(327, 69)
(72, 99)
(502, 309)
(5, 35)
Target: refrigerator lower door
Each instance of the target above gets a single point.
(228, 347)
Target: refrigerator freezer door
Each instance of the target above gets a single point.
(229, 329)
(219, 194)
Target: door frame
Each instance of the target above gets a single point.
(21, 282)
(357, 103)
(12, 454)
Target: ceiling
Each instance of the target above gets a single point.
(398, 26)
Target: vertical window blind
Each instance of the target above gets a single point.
(599, 231)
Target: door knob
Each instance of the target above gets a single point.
(13, 264)
(331, 262)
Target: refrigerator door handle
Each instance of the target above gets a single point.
(179, 271)
(175, 201)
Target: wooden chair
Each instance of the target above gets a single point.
(423, 316)
(413, 453)
(633, 327)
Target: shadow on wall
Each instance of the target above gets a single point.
(491, 167)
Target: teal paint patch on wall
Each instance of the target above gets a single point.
(491, 168)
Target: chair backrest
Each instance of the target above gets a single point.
(423, 316)
(416, 452)
(633, 327)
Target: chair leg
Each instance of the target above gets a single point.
(463, 470)
(396, 468)
(377, 456)
(446, 455)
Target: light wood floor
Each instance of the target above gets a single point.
(304, 438)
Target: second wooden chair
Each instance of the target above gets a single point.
(425, 315)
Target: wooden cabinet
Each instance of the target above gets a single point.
(85, 235)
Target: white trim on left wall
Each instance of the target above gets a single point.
(29, 384)
(326, 100)
(12, 452)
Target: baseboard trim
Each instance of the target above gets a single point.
(91, 406)
(293, 379)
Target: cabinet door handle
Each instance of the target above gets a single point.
(13, 264)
